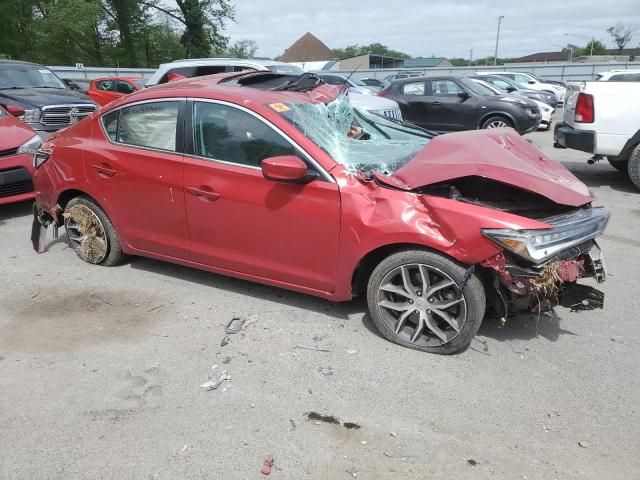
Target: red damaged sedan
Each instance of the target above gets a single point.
(279, 180)
(18, 143)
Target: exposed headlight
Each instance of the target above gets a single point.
(31, 116)
(31, 146)
(538, 246)
(533, 113)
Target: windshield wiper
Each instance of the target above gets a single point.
(302, 83)
(12, 88)
(55, 88)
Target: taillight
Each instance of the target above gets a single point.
(584, 108)
(384, 92)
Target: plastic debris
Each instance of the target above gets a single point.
(583, 444)
(268, 464)
(234, 325)
(213, 384)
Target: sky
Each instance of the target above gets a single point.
(425, 28)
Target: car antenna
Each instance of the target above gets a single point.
(347, 79)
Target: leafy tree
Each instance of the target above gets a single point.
(374, 48)
(203, 22)
(622, 34)
(243, 49)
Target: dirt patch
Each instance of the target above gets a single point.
(61, 320)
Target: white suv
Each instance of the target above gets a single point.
(619, 76)
(199, 67)
(528, 80)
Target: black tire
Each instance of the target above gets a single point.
(495, 120)
(113, 254)
(620, 165)
(471, 304)
(633, 166)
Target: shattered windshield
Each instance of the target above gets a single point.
(358, 140)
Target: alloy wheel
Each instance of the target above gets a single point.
(422, 305)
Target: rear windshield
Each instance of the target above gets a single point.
(357, 139)
(285, 69)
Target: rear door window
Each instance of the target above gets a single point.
(413, 88)
(210, 70)
(149, 125)
(125, 87)
(631, 77)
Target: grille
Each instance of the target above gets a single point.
(15, 182)
(18, 188)
(65, 114)
(6, 153)
(394, 113)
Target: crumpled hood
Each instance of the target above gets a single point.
(40, 97)
(499, 154)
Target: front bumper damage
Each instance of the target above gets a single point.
(540, 288)
(41, 221)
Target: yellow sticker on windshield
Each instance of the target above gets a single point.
(279, 107)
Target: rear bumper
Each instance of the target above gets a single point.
(16, 182)
(565, 136)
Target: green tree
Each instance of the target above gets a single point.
(243, 49)
(203, 21)
(622, 34)
(374, 48)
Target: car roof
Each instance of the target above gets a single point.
(214, 87)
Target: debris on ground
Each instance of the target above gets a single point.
(579, 297)
(312, 349)
(225, 341)
(351, 426)
(183, 451)
(268, 464)
(583, 444)
(472, 462)
(213, 384)
(393, 434)
(363, 442)
(234, 325)
(318, 417)
(352, 351)
(35, 294)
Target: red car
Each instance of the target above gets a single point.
(107, 89)
(277, 179)
(18, 143)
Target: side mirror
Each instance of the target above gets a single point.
(463, 94)
(74, 86)
(510, 89)
(14, 110)
(531, 82)
(286, 168)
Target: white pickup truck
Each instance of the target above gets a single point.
(603, 118)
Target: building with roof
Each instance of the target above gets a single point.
(370, 61)
(427, 62)
(308, 48)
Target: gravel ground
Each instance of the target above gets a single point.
(100, 371)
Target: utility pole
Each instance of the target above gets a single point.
(470, 56)
(495, 55)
